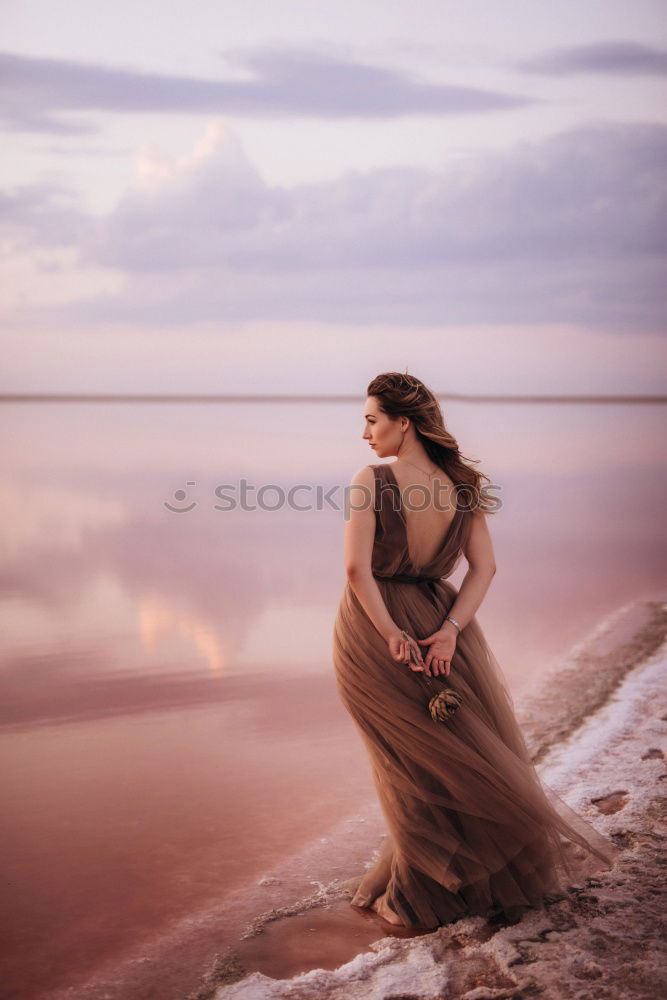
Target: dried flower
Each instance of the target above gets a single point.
(444, 704)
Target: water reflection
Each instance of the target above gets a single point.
(166, 678)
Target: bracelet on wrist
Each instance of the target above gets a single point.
(454, 622)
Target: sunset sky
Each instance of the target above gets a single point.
(292, 196)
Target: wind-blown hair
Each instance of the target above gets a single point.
(401, 395)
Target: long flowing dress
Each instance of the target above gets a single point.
(471, 829)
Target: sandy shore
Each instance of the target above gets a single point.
(596, 726)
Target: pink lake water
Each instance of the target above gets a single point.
(169, 725)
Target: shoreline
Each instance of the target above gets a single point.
(596, 724)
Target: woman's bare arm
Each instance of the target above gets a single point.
(358, 552)
(481, 569)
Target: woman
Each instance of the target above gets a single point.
(471, 830)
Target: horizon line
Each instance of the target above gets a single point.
(106, 397)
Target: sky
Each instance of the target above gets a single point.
(292, 197)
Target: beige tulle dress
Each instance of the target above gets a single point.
(471, 829)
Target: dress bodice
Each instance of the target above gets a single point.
(391, 558)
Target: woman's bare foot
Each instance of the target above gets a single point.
(382, 908)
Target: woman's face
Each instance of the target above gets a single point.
(383, 434)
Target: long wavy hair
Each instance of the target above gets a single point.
(403, 395)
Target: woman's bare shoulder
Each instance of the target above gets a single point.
(364, 476)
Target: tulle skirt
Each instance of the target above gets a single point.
(471, 829)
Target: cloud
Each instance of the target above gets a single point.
(592, 191)
(571, 229)
(286, 82)
(42, 214)
(617, 58)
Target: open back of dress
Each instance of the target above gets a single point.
(428, 512)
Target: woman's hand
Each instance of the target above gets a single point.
(442, 645)
(405, 650)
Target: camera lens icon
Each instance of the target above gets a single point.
(180, 496)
